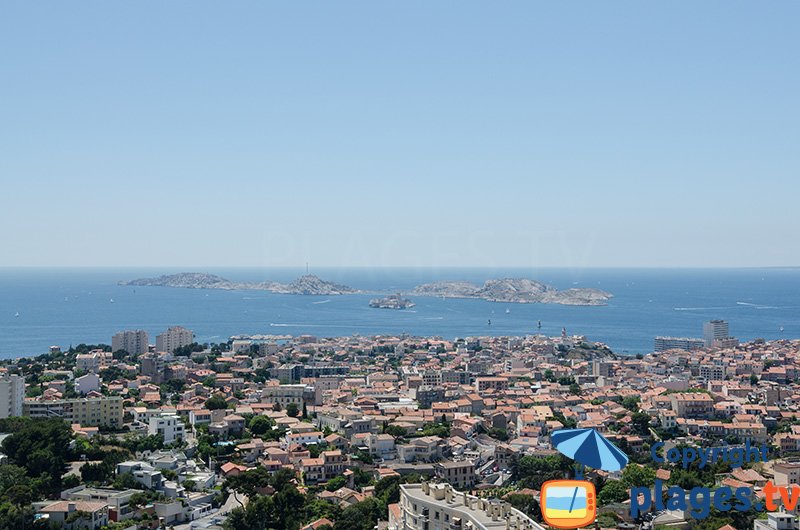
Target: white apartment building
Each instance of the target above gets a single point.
(283, 395)
(97, 411)
(715, 330)
(174, 337)
(169, 426)
(776, 521)
(87, 383)
(134, 342)
(94, 361)
(12, 395)
(713, 372)
(430, 506)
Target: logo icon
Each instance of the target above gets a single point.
(573, 503)
(568, 503)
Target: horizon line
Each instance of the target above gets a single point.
(197, 268)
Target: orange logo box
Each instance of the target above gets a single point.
(568, 503)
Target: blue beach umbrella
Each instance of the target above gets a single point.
(590, 448)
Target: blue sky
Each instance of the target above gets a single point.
(578, 134)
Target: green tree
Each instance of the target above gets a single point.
(526, 504)
(631, 403)
(498, 434)
(395, 430)
(613, 491)
(335, 483)
(363, 515)
(533, 471)
(292, 410)
(126, 481)
(41, 447)
(635, 475)
(260, 425)
(98, 472)
(641, 423)
(387, 490)
(216, 402)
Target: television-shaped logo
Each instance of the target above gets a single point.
(568, 503)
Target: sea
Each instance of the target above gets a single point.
(41, 307)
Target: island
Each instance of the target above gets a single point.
(514, 290)
(510, 290)
(393, 301)
(308, 284)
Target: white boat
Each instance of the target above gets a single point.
(16, 314)
(508, 310)
(112, 300)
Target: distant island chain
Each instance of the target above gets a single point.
(509, 290)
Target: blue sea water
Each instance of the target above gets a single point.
(566, 498)
(70, 306)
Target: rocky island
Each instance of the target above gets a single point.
(308, 284)
(514, 290)
(393, 301)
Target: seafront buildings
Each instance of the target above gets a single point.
(677, 343)
(175, 337)
(716, 334)
(344, 416)
(134, 342)
(715, 330)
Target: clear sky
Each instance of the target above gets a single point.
(574, 134)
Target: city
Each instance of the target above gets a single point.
(361, 265)
(390, 432)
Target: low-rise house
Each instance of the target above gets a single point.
(460, 475)
(381, 445)
(333, 463)
(73, 515)
(143, 473)
(169, 426)
(234, 423)
(423, 449)
(304, 438)
(312, 470)
(118, 501)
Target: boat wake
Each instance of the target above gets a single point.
(698, 308)
(757, 306)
